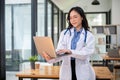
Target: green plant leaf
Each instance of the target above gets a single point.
(33, 58)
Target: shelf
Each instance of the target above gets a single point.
(106, 29)
(106, 37)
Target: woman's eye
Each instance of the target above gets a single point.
(75, 17)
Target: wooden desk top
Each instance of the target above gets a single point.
(102, 72)
(106, 57)
(52, 72)
(47, 72)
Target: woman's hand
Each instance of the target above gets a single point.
(63, 51)
(46, 56)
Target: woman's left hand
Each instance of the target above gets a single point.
(63, 51)
(46, 56)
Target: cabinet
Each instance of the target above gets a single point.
(106, 37)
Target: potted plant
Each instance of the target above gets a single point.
(32, 60)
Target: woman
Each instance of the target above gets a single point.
(77, 41)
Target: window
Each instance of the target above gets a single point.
(18, 32)
(96, 19)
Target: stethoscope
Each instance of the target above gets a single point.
(84, 37)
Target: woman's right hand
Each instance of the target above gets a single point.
(64, 51)
(46, 56)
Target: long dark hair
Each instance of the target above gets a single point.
(80, 11)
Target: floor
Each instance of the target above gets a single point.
(10, 75)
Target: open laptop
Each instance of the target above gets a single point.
(45, 44)
(113, 53)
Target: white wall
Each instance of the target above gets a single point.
(115, 12)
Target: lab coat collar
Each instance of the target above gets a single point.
(83, 31)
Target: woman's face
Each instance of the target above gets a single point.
(75, 19)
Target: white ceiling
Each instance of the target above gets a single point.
(65, 5)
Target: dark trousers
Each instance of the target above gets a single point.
(73, 69)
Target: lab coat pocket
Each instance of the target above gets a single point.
(65, 73)
(83, 73)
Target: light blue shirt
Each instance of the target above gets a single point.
(75, 39)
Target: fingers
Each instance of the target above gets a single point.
(46, 56)
(62, 51)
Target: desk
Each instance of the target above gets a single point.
(107, 58)
(103, 73)
(52, 72)
(45, 72)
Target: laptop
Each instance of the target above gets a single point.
(113, 53)
(45, 44)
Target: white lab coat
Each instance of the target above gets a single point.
(84, 70)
